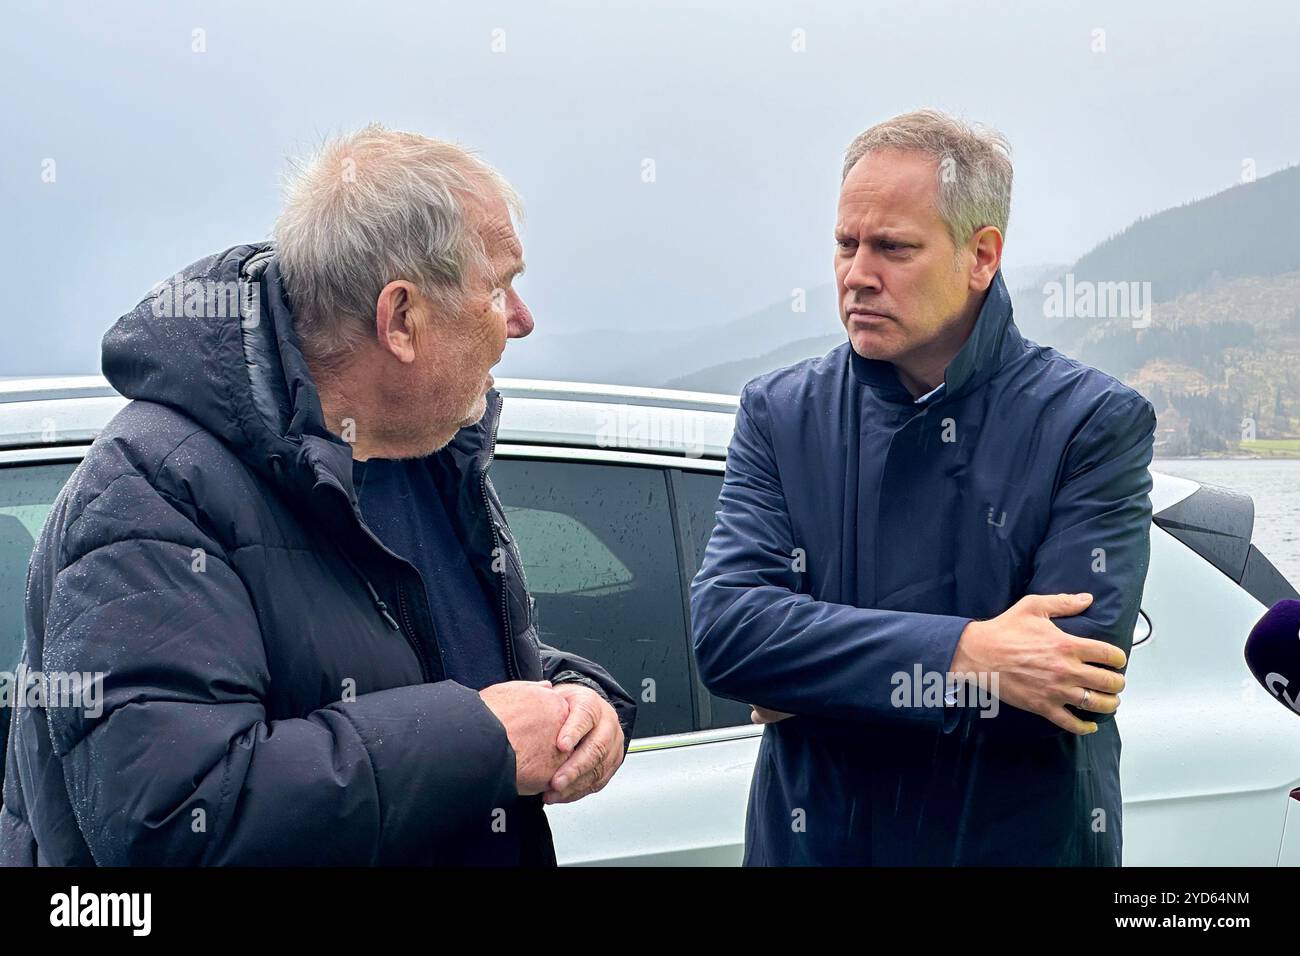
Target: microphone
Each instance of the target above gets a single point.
(1273, 652)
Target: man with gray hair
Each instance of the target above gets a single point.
(901, 521)
(288, 561)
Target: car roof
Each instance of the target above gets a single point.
(71, 410)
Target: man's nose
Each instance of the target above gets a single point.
(863, 273)
(519, 321)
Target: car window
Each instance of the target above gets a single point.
(697, 495)
(575, 560)
(601, 561)
(27, 493)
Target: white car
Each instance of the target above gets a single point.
(611, 494)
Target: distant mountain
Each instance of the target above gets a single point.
(586, 356)
(1247, 230)
(1198, 307)
(730, 377)
(1216, 342)
(1221, 365)
(651, 358)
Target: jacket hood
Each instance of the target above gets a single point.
(992, 343)
(217, 343)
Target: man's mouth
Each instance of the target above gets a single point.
(866, 315)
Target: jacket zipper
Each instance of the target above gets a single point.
(403, 628)
(497, 551)
(410, 630)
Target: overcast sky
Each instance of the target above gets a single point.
(163, 154)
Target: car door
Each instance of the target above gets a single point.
(609, 542)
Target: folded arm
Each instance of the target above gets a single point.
(1098, 539)
(758, 638)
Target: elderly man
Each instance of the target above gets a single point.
(287, 560)
(900, 521)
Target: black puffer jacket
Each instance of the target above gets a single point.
(272, 688)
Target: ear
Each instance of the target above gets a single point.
(985, 248)
(395, 322)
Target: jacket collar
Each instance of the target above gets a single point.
(993, 341)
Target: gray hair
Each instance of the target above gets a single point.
(373, 207)
(974, 166)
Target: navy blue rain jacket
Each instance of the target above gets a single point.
(857, 534)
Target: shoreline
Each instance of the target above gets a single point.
(1226, 458)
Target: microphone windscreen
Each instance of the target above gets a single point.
(1273, 652)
